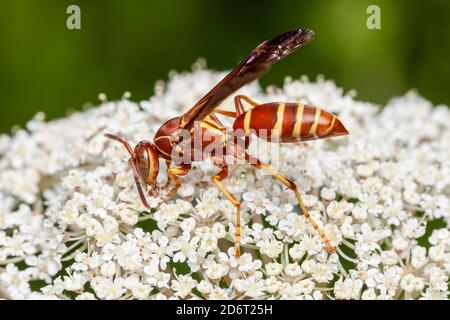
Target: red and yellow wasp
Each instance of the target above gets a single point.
(281, 122)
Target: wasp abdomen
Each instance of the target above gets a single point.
(289, 122)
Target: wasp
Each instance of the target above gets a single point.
(282, 122)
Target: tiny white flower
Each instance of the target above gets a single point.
(188, 224)
(418, 257)
(322, 273)
(204, 287)
(183, 285)
(186, 190)
(273, 285)
(271, 248)
(410, 283)
(413, 229)
(328, 194)
(360, 212)
(218, 230)
(274, 268)
(437, 253)
(369, 294)
(348, 288)
(85, 296)
(215, 270)
(293, 270)
(296, 252)
(108, 269)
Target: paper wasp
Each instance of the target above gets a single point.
(283, 122)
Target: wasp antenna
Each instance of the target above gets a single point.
(126, 144)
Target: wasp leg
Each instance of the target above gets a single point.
(291, 185)
(221, 175)
(166, 184)
(214, 118)
(239, 106)
(226, 113)
(173, 175)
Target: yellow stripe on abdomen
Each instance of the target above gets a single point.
(297, 131)
(247, 118)
(277, 129)
(313, 129)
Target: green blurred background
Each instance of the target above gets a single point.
(128, 45)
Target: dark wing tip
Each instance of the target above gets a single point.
(285, 43)
(294, 38)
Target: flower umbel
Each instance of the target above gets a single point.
(67, 198)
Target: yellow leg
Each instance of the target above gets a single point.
(239, 106)
(173, 175)
(291, 185)
(217, 180)
(226, 113)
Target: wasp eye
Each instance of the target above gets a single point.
(147, 163)
(142, 162)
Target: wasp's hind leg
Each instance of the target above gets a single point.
(239, 106)
(226, 113)
(291, 185)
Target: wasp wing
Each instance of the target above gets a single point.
(251, 68)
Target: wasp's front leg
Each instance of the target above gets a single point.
(173, 175)
(217, 179)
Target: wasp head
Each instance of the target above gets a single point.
(144, 162)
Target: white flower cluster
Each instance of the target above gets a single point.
(73, 227)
